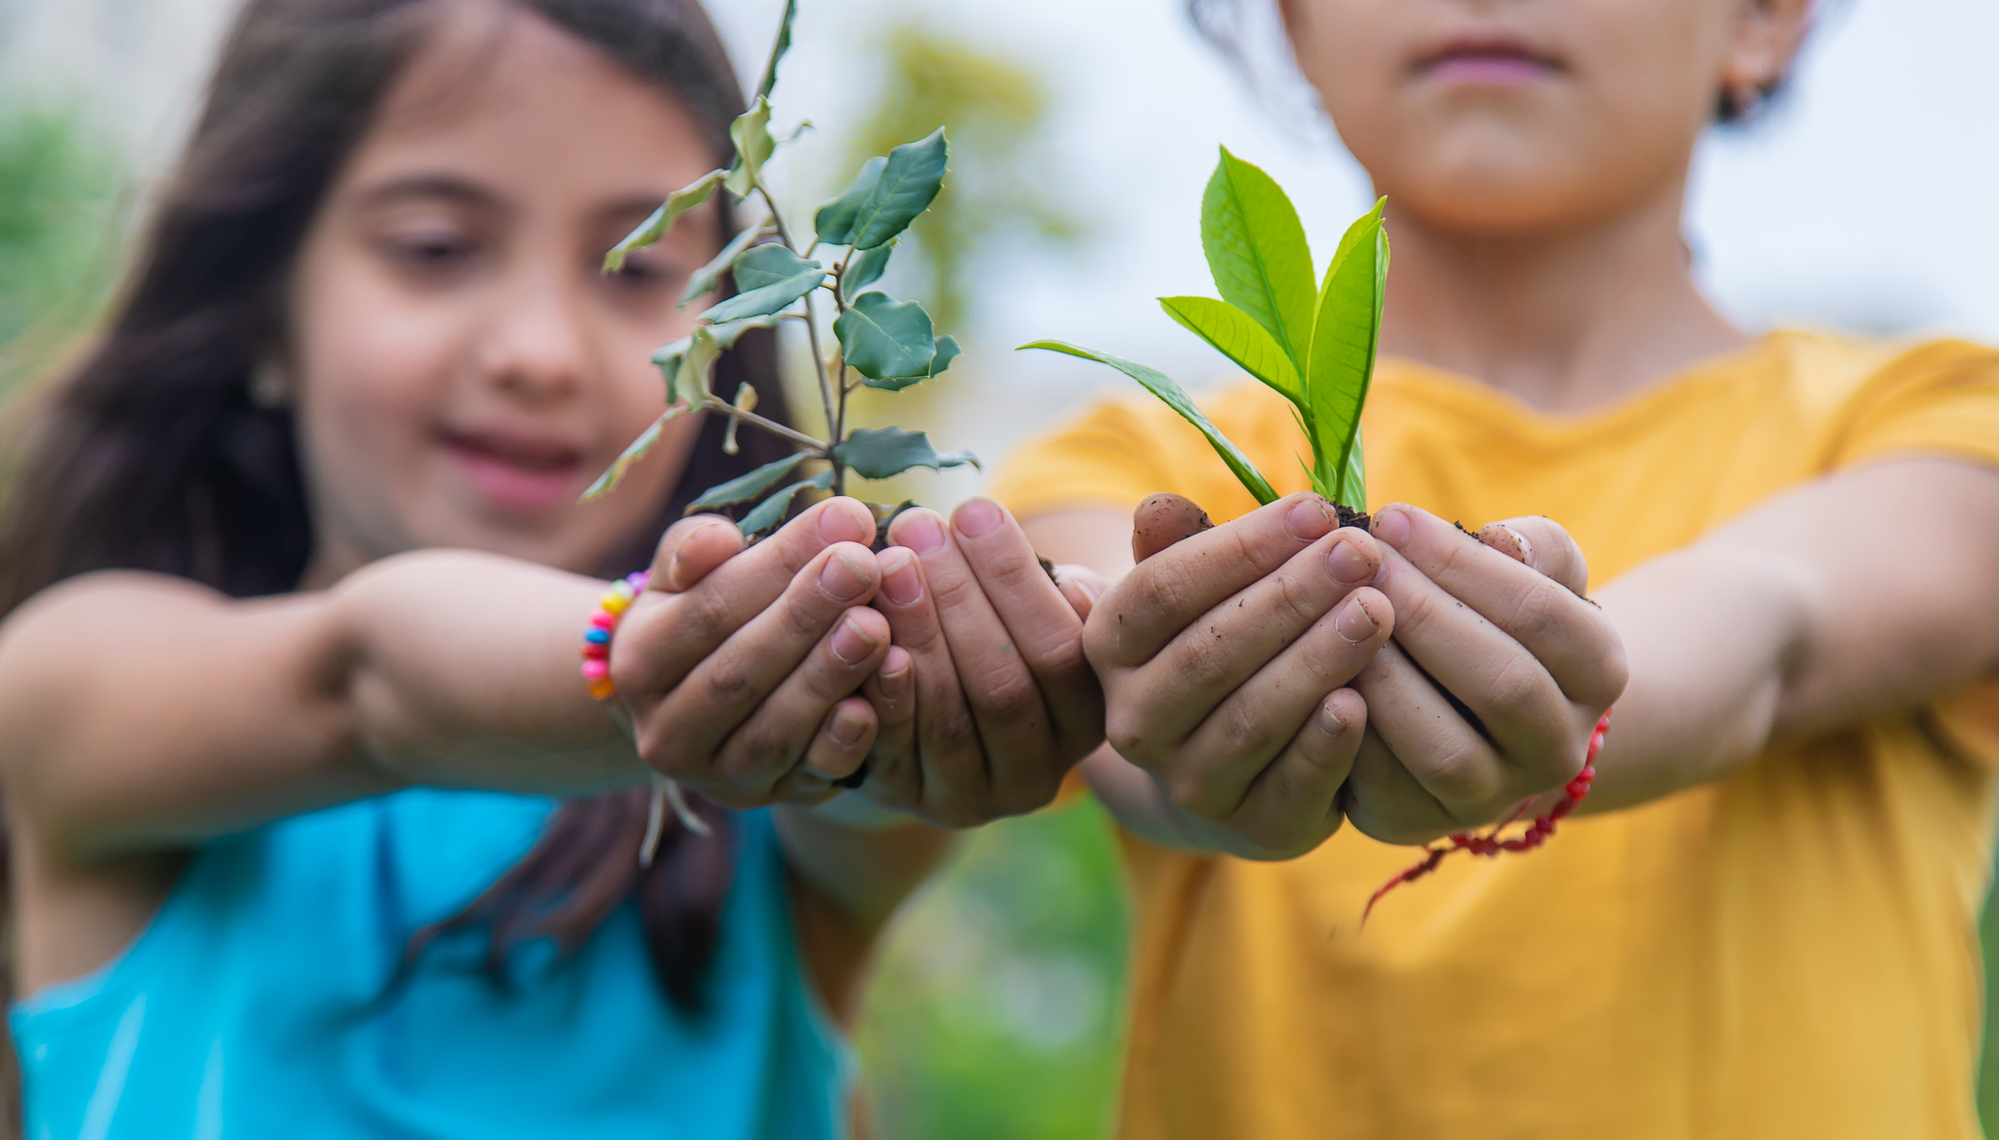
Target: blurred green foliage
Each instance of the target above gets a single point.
(997, 114)
(60, 185)
(998, 1010)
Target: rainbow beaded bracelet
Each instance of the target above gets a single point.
(597, 675)
(597, 638)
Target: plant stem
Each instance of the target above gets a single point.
(819, 447)
(812, 334)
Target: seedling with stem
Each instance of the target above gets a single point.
(883, 342)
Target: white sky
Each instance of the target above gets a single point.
(1868, 200)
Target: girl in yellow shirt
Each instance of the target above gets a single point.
(1762, 925)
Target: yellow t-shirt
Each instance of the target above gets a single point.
(1787, 952)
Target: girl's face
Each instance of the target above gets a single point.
(460, 367)
(1513, 118)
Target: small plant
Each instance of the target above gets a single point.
(1314, 346)
(883, 343)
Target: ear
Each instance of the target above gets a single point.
(1766, 38)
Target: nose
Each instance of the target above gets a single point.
(535, 346)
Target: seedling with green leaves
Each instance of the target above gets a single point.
(883, 343)
(1314, 346)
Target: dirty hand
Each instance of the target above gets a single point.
(986, 701)
(1224, 658)
(1499, 670)
(741, 668)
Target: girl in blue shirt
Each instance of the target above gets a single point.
(316, 833)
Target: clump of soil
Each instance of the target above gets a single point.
(1350, 517)
(1162, 520)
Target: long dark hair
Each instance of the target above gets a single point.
(152, 455)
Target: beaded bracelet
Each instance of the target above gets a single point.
(1490, 844)
(597, 675)
(597, 639)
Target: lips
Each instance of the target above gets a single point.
(517, 472)
(1487, 58)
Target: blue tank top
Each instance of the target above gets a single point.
(252, 1005)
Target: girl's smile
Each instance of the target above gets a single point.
(524, 470)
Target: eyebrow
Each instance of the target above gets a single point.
(445, 186)
(467, 192)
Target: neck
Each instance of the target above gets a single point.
(1566, 320)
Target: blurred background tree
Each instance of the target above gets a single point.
(996, 110)
(60, 189)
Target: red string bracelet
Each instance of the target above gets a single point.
(1490, 844)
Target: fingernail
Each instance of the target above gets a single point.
(686, 540)
(846, 727)
(976, 517)
(1523, 550)
(851, 643)
(895, 663)
(841, 522)
(1355, 623)
(1329, 721)
(1392, 527)
(1092, 586)
(901, 583)
(1310, 519)
(1348, 564)
(920, 530)
(843, 579)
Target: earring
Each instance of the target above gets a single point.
(270, 387)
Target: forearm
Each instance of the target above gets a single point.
(463, 672)
(1712, 640)
(139, 712)
(1802, 617)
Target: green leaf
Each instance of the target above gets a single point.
(729, 332)
(1345, 338)
(778, 49)
(1257, 251)
(768, 299)
(1235, 335)
(743, 488)
(609, 479)
(655, 227)
(686, 364)
(837, 217)
(770, 264)
(754, 146)
(1162, 386)
(885, 339)
(770, 512)
(947, 350)
(703, 280)
(865, 270)
(908, 181)
(881, 453)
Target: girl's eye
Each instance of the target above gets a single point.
(645, 272)
(431, 253)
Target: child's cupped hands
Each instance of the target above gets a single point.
(741, 668)
(1497, 673)
(1225, 656)
(998, 701)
